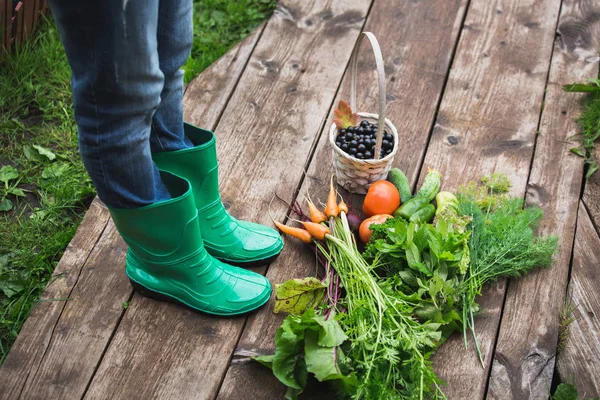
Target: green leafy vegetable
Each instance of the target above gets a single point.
(308, 343)
(296, 295)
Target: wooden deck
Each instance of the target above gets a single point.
(473, 87)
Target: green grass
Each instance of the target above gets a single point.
(44, 189)
(589, 122)
(218, 25)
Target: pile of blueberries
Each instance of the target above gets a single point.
(359, 141)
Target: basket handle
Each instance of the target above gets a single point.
(381, 80)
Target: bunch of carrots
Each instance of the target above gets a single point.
(315, 227)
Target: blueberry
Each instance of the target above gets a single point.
(343, 131)
(361, 141)
(361, 147)
(338, 144)
(368, 154)
(353, 143)
(345, 147)
(341, 138)
(360, 130)
(359, 155)
(364, 123)
(352, 151)
(368, 142)
(385, 144)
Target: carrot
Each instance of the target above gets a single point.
(331, 208)
(315, 214)
(317, 231)
(298, 233)
(342, 207)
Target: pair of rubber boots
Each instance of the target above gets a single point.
(182, 249)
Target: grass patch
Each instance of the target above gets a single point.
(589, 122)
(218, 25)
(44, 189)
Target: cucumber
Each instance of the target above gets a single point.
(423, 214)
(431, 185)
(410, 207)
(398, 179)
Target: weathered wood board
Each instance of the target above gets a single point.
(524, 368)
(487, 122)
(417, 54)
(465, 88)
(38, 332)
(579, 361)
(284, 92)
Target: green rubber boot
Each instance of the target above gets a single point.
(167, 259)
(226, 238)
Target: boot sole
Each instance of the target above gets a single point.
(152, 294)
(249, 264)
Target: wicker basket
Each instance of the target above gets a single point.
(354, 174)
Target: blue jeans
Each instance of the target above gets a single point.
(125, 57)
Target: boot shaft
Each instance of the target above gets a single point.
(164, 233)
(198, 164)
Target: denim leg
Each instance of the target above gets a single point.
(175, 34)
(117, 82)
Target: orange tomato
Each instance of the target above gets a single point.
(382, 198)
(365, 232)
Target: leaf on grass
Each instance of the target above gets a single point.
(10, 287)
(45, 152)
(344, 117)
(296, 295)
(8, 173)
(55, 170)
(577, 150)
(17, 192)
(6, 205)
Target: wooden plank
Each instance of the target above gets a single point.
(523, 364)
(591, 193)
(284, 92)
(579, 361)
(216, 84)
(38, 330)
(487, 123)
(85, 325)
(3, 27)
(48, 380)
(8, 10)
(29, 11)
(417, 40)
(18, 20)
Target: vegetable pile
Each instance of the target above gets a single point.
(369, 322)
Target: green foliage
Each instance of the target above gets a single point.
(589, 122)
(565, 391)
(218, 25)
(296, 295)
(309, 343)
(390, 349)
(44, 189)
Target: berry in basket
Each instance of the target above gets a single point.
(359, 140)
